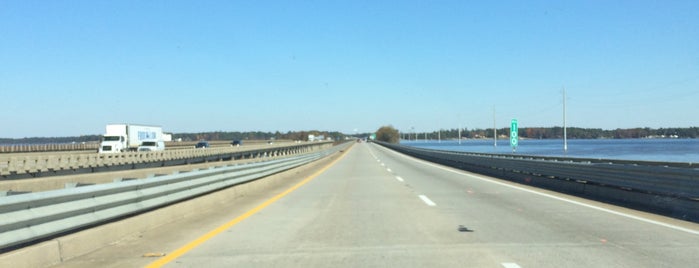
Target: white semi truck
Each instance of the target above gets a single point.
(128, 137)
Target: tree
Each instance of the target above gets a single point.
(387, 134)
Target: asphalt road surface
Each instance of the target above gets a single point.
(377, 208)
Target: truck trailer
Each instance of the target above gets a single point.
(128, 137)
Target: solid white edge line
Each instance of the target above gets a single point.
(427, 200)
(479, 177)
(510, 265)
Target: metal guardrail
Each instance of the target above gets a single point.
(35, 216)
(667, 188)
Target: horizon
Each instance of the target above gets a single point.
(350, 134)
(71, 68)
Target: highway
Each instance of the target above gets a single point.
(376, 208)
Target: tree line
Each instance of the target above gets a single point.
(557, 133)
(52, 140)
(256, 135)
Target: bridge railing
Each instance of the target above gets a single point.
(94, 145)
(666, 188)
(41, 165)
(34, 216)
(54, 147)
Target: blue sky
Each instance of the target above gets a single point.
(71, 67)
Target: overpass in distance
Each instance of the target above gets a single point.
(373, 207)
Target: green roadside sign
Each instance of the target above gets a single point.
(514, 137)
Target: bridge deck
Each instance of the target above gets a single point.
(376, 208)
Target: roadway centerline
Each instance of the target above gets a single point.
(427, 200)
(400, 179)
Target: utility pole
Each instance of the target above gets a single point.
(459, 126)
(495, 130)
(459, 133)
(565, 134)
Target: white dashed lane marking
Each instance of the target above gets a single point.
(510, 265)
(427, 201)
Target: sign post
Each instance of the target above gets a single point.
(514, 137)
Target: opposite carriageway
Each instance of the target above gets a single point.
(94, 145)
(50, 171)
(33, 165)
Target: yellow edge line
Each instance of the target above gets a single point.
(191, 245)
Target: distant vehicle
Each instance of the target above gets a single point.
(202, 144)
(128, 137)
(316, 138)
(167, 137)
(236, 143)
(148, 146)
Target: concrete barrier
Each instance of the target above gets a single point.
(24, 148)
(4, 166)
(41, 165)
(94, 145)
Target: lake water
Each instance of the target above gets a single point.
(665, 150)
